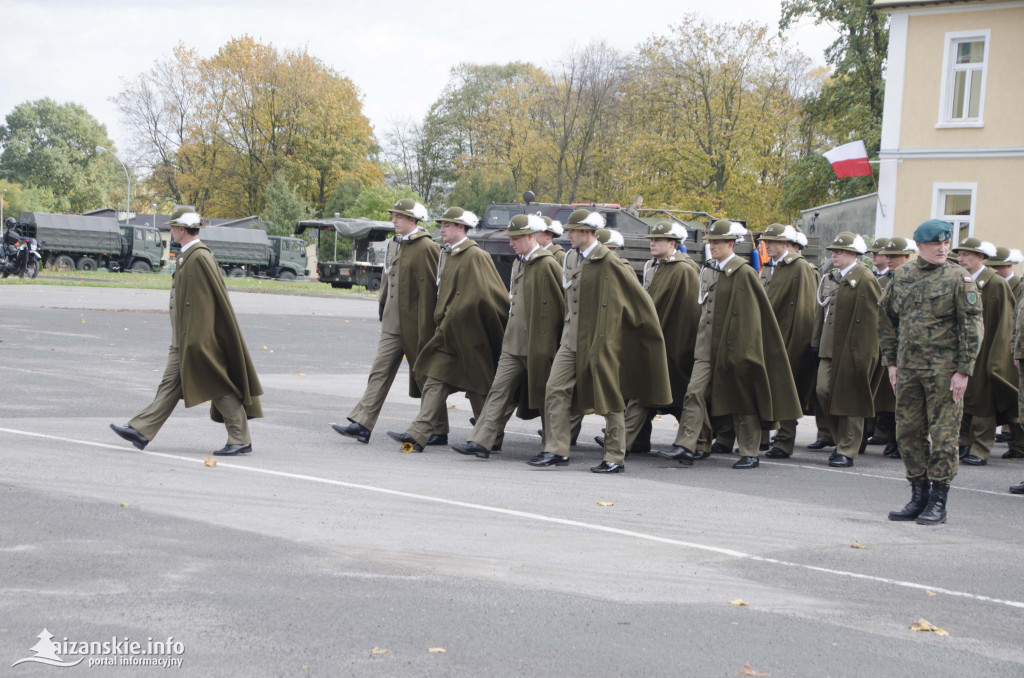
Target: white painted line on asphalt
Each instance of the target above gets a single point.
(547, 519)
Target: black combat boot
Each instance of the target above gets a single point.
(918, 500)
(935, 512)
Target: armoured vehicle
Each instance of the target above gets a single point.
(71, 241)
(369, 240)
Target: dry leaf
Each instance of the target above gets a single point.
(264, 347)
(857, 545)
(739, 602)
(748, 670)
(453, 406)
(925, 625)
(657, 417)
(606, 503)
(378, 650)
(209, 461)
(124, 505)
(930, 593)
(437, 650)
(406, 448)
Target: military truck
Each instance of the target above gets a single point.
(71, 241)
(369, 241)
(250, 252)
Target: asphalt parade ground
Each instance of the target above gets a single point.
(319, 556)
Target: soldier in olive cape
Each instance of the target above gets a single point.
(407, 296)
(929, 326)
(1002, 263)
(611, 348)
(846, 336)
(536, 312)
(790, 282)
(1018, 356)
(991, 396)
(471, 312)
(740, 367)
(208, 359)
(546, 239)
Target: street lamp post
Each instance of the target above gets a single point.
(2, 193)
(153, 208)
(128, 197)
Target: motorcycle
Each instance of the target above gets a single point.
(19, 255)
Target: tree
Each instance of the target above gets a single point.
(342, 197)
(284, 208)
(52, 147)
(375, 201)
(474, 191)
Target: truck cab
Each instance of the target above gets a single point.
(141, 249)
(289, 257)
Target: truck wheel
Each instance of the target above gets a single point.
(140, 266)
(86, 264)
(374, 284)
(31, 269)
(64, 263)
(286, 275)
(236, 273)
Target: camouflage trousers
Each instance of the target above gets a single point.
(925, 407)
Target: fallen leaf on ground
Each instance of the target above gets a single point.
(930, 593)
(378, 650)
(264, 347)
(437, 650)
(739, 602)
(209, 461)
(453, 406)
(406, 448)
(657, 417)
(606, 503)
(857, 545)
(925, 625)
(748, 670)
(124, 505)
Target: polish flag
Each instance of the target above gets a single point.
(849, 160)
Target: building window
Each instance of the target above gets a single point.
(963, 84)
(955, 203)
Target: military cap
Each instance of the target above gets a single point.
(978, 246)
(187, 217)
(1005, 257)
(664, 229)
(933, 230)
(801, 238)
(848, 242)
(585, 220)
(723, 229)
(780, 233)
(899, 246)
(525, 224)
(878, 245)
(457, 215)
(410, 208)
(609, 238)
(554, 226)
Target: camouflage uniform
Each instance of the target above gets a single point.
(929, 328)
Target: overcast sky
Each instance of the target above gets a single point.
(398, 52)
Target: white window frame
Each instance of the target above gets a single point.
(940, 191)
(948, 71)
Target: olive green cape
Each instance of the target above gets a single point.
(992, 389)
(214, 358)
(674, 291)
(791, 289)
(471, 312)
(856, 359)
(544, 298)
(620, 350)
(417, 297)
(885, 396)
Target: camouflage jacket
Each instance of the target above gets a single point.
(930, 318)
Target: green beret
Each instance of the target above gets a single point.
(933, 230)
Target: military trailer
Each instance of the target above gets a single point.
(71, 241)
(250, 252)
(369, 242)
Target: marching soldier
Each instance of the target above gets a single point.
(846, 336)
(1003, 263)
(930, 330)
(611, 348)
(740, 360)
(536, 313)
(991, 395)
(408, 296)
(470, 315)
(1018, 356)
(790, 282)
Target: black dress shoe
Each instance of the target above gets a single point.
(747, 462)
(820, 445)
(677, 453)
(405, 438)
(700, 454)
(353, 430)
(1003, 437)
(131, 435)
(232, 450)
(599, 440)
(875, 440)
(841, 462)
(972, 460)
(438, 439)
(891, 450)
(763, 447)
(639, 448)
(832, 457)
(719, 448)
(964, 451)
(472, 448)
(777, 453)
(1017, 489)
(548, 459)
(1013, 454)
(472, 421)
(607, 467)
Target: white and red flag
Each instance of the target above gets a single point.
(849, 160)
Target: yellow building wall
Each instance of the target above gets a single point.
(999, 198)
(1003, 114)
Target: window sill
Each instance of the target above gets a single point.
(975, 124)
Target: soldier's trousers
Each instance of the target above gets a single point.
(695, 415)
(846, 432)
(925, 407)
(557, 403)
(980, 434)
(382, 375)
(501, 400)
(149, 421)
(434, 409)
